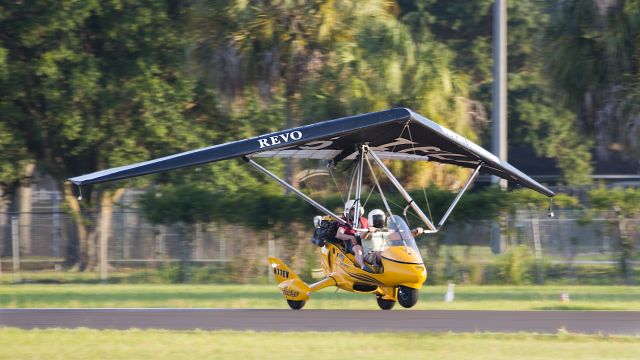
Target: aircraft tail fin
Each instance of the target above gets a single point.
(290, 285)
(281, 272)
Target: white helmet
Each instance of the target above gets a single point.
(349, 205)
(377, 218)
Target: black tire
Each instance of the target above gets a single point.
(296, 304)
(407, 297)
(385, 304)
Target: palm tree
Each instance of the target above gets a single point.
(593, 61)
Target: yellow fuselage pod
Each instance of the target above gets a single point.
(401, 266)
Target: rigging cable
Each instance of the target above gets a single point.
(336, 183)
(351, 178)
(405, 127)
(375, 179)
(424, 192)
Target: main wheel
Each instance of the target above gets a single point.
(296, 304)
(384, 303)
(407, 297)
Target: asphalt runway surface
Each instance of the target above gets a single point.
(589, 322)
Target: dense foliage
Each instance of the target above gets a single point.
(87, 85)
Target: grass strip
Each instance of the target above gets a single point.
(160, 344)
(268, 297)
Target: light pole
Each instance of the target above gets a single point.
(499, 115)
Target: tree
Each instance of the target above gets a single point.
(326, 59)
(93, 85)
(13, 156)
(378, 63)
(625, 204)
(592, 61)
(535, 117)
(13, 153)
(268, 45)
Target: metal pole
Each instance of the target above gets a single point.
(15, 247)
(455, 201)
(294, 190)
(403, 192)
(499, 116)
(356, 203)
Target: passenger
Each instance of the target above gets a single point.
(372, 244)
(377, 236)
(350, 236)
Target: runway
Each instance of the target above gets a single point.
(589, 322)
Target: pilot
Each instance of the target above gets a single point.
(352, 237)
(372, 244)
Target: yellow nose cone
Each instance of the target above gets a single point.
(403, 266)
(403, 254)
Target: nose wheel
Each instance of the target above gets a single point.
(407, 297)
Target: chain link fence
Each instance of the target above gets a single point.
(43, 245)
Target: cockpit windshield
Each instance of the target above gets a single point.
(399, 233)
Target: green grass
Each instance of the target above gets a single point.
(159, 344)
(267, 296)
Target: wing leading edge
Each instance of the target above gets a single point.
(393, 134)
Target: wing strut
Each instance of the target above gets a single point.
(413, 205)
(294, 190)
(404, 193)
(362, 148)
(455, 201)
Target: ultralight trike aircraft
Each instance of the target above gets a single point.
(395, 134)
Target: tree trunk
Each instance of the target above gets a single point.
(79, 256)
(186, 231)
(626, 249)
(107, 199)
(25, 195)
(4, 218)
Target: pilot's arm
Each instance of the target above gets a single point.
(394, 235)
(344, 237)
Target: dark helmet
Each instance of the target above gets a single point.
(377, 218)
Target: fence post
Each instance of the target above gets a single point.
(15, 247)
